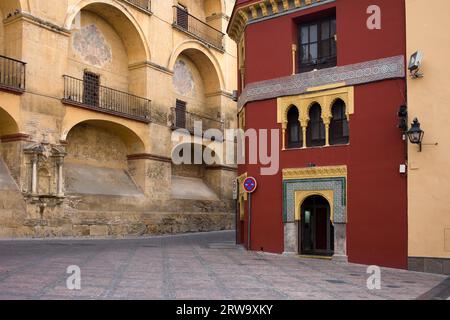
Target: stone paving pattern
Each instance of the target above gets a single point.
(195, 266)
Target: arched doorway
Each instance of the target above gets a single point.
(316, 229)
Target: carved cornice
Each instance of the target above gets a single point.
(150, 64)
(15, 137)
(222, 167)
(148, 156)
(315, 173)
(263, 9)
(25, 16)
(349, 75)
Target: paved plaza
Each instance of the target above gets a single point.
(196, 266)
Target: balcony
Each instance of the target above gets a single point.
(145, 5)
(12, 75)
(198, 29)
(92, 96)
(182, 119)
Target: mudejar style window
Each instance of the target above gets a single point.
(339, 129)
(294, 133)
(315, 134)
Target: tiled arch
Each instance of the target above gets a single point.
(299, 184)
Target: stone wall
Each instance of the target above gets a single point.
(116, 172)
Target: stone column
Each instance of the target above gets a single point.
(294, 56)
(304, 129)
(340, 243)
(327, 134)
(34, 162)
(326, 121)
(59, 164)
(284, 135)
(291, 238)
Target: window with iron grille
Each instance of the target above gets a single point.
(91, 89)
(315, 134)
(339, 129)
(317, 44)
(294, 133)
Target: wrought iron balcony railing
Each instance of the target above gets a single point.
(12, 74)
(142, 4)
(197, 28)
(182, 119)
(90, 95)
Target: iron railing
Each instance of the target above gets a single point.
(91, 95)
(143, 4)
(182, 119)
(12, 74)
(197, 28)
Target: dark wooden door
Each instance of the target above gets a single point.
(321, 221)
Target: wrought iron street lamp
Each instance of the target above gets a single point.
(415, 134)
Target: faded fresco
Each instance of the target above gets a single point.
(183, 80)
(91, 46)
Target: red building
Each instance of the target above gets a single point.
(330, 75)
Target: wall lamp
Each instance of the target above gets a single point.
(415, 134)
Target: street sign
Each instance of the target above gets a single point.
(235, 189)
(250, 185)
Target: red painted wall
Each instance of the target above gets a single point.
(377, 194)
(269, 43)
(377, 206)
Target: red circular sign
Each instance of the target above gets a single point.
(250, 185)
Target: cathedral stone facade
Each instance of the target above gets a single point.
(91, 92)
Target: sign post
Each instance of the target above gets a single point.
(250, 185)
(236, 199)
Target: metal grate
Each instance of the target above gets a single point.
(12, 74)
(182, 119)
(88, 93)
(192, 25)
(143, 4)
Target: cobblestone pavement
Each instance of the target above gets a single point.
(196, 266)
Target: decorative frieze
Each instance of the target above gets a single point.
(349, 75)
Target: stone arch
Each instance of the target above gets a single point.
(294, 135)
(203, 58)
(133, 142)
(309, 106)
(215, 10)
(344, 101)
(97, 160)
(289, 109)
(303, 196)
(215, 6)
(122, 21)
(286, 112)
(8, 124)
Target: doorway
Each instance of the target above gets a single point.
(316, 230)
